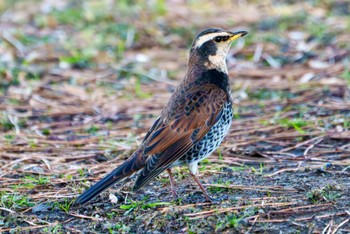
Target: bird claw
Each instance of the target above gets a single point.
(214, 201)
(175, 196)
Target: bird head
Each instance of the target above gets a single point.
(210, 47)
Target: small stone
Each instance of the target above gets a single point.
(41, 208)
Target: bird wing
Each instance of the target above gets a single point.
(187, 119)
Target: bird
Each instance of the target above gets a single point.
(191, 126)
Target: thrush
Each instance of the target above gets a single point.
(192, 124)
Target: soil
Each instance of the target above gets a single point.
(305, 200)
(81, 82)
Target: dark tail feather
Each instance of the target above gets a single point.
(100, 186)
(123, 171)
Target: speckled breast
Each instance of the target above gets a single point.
(211, 141)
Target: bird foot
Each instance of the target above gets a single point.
(214, 201)
(208, 198)
(175, 196)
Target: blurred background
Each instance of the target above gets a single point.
(71, 70)
(81, 82)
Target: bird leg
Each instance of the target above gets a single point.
(207, 197)
(172, 183)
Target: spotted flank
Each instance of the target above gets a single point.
(211, 140)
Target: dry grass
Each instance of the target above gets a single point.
(77, 97)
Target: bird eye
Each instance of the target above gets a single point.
(218, 39)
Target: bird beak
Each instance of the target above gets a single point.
(236, 35)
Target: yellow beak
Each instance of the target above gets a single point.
(239, 34)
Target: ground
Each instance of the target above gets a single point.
(81, 82)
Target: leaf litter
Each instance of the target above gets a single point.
(81, 83)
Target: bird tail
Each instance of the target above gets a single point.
(133, 164)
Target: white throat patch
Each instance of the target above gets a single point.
(218, 60)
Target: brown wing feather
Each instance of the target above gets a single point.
(185, 122)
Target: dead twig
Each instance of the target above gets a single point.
(85, 217)
(299, 219)
(339, 226)
(230, 209)
(8, 210)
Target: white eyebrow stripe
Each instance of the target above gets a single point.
(201, 40)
